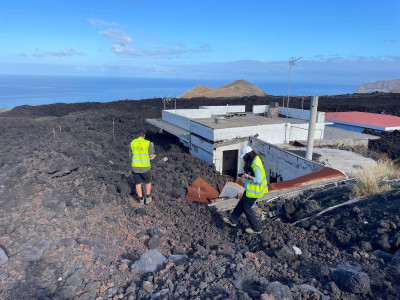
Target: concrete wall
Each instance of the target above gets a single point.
(203, 144)
(202, 130)
(259, 109)
(274, 133)
(189, 113)
(219, 151)
(299, 132)
(281, 162)
(301, 114)
(201, 154)
(220, 110)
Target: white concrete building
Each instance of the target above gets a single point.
(215, 134)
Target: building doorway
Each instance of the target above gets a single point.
(230, 163)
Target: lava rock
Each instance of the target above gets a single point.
(278, 290)
(56, 201)
(154, 242)
(396, 258)
(350, 279)
(384, 255)
(3, 257)
(34, 250)
(284, 253)
(150, 261)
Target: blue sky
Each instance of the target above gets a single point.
(352, 41)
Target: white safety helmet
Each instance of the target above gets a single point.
(245, 149)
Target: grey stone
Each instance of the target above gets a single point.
(305, 254)
(92, 286)
(4, 276)
(159, 293)
(34, 250)
(178, 250)
(68, 242)
(306, 288)
(56, 201)
(76, 278)
(219, 271)
(384, 255)
(3, 257)
(124, 188)
(395, 240)
(396, 258)
(61, 167)
(284, 253)
(366, 246)
(150, 261)
(65, 293)
(243, 280)
(84, 296)
(350, 279)
(154, 242)
(177, 257)
(148, 287)
(112, 291)
(278, 290)
(156, 231)
(141, 211)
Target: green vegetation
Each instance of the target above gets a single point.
(373, 179)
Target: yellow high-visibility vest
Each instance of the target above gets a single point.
(140, 153)
(257, 190)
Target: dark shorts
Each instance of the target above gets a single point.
(139, 178)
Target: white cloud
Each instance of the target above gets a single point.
(124, 50)
(102, 22)
(67, 52)
(117, 36)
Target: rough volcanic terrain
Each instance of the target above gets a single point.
(71, 228)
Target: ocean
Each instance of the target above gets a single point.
(16, 90)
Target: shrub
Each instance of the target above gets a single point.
(373, 179)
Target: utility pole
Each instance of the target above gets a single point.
(292, 61)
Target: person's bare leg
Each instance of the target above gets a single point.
(148, 188)
(139, 190)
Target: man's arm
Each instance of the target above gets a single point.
(151, 150)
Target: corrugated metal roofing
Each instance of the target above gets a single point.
(364, 118)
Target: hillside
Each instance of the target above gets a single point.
(237, 88)
(71, 228)
(379, 86)
(395, 90)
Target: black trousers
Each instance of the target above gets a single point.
(244, 206)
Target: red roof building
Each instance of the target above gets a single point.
(358, 121)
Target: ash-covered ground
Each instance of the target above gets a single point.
(70, 226)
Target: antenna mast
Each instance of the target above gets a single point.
(292, 62)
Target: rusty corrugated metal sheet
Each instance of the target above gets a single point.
(201, 191)
(324, 173)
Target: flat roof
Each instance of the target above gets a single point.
(364, 119)
(243, 121)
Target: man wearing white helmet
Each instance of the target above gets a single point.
(256, 186)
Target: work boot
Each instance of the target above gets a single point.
(141, 201)
(226, 220)
(251, 231)
(148, 199)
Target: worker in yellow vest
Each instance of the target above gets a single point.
(142, 152)
(256, 186)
